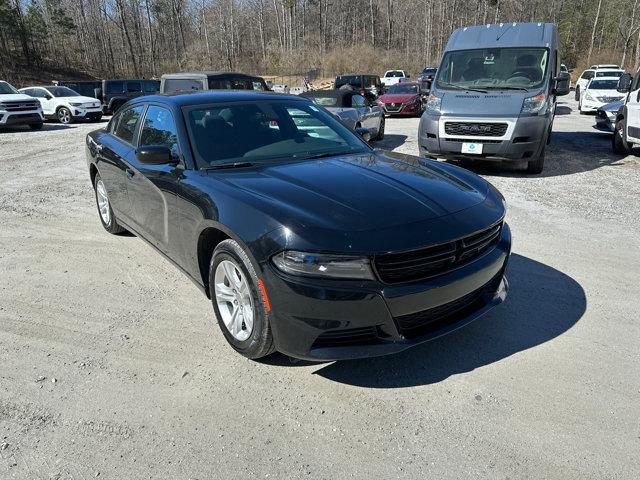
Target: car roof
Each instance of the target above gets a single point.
(503, 35)
(207, 74)
(184, 99)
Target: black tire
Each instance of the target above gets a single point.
(63, 114)
(35, 126)
(380, 134)
(112, 226)
(260, 341)
(619, 143)
(577, 95)
(537, 164)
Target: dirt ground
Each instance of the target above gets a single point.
(112, 366)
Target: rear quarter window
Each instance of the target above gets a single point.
(181, 85)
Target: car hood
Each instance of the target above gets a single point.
(604, 93)
(79, 99)
(351, 193)
(499, 103)
(613, 106)
(398, 97)
(15, 97)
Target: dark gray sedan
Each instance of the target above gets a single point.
(352, 109)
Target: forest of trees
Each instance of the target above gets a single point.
(119, 38)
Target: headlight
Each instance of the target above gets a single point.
(587, 96)
(434, 103)
(321, 265)
(76, 104)
(534, 104)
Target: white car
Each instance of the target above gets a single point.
(391, 77)
(598, 92)
(65, 104)
(596, 71)
(18, 109)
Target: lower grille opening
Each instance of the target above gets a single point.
(346, 337)
(520, 139)
(434, 319)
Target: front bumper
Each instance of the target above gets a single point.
(339, 320)
(21, 118)
(523, 139)
(92, 113)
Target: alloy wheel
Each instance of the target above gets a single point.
(64, 115)
(103, 202)
(234, 300)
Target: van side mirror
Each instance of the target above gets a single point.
(562, 84)
(155, 155)
(624, 83)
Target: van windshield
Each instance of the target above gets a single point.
(521, 68)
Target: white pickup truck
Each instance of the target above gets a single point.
(391, 77)
(19, 109)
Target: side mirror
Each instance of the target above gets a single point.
(562, 84)
(47, 96)
(624, 83)
(364, 134)
(155, 155)
(97, 92)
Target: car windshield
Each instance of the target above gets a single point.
(603, 85)
(62, 92)
(610, 74)
(402, 88)
(394, 73)
(493, 68)
(266, 132)
(6, 89)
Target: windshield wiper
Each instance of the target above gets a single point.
(509, 88)
(458, 87)
(324, 155)
(229, 165)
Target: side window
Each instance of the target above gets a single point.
(357, 101)
(28, 91)
(126, 126)
(588, 75)
(115, 87)
(151, 87)
(134, 87)
(159, 129)
(181, 85)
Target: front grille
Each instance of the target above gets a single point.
(435, 260)
(470, 140)
(437, 318)
(345, 337)
(393, 107)
(24, 106)
(475, 129)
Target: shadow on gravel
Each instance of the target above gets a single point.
(563, 110)
(390, 141)
(568, 153)
(542, 304)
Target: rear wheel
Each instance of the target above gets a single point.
(239, 301)
(619, 141)
(107, 217)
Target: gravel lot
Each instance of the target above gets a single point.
(111, 364)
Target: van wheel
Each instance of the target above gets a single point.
(239, 301)
(536, 165)
(619, 142)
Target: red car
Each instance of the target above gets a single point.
(402, 99)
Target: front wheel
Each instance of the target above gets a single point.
(619, 141)
(536, 165)
(240, 301)
(64, 115)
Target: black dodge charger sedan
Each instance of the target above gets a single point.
(306, 239)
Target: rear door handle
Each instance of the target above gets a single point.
(130, 173)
